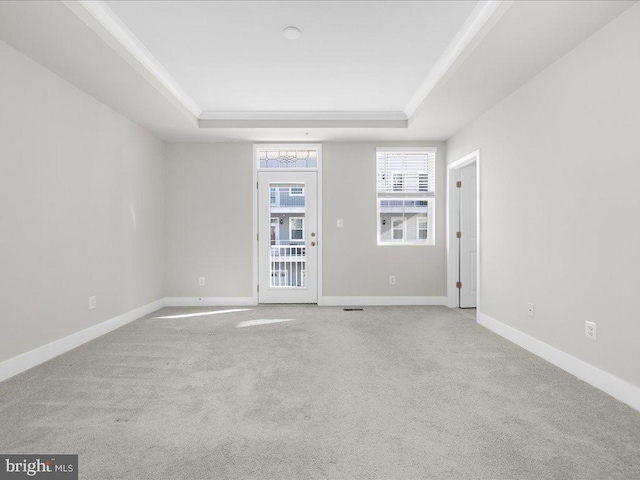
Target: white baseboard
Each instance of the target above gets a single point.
(30, 359)
(381, 301)
(323, 301)
(210, 302)
(608, 383)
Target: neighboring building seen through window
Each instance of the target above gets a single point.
(287, 213)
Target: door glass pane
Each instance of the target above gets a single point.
(288, 248)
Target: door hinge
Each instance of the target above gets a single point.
(458, 234)
(459, 184)
(458, 284)
(257, 185)
(257, 237)
(257, 288)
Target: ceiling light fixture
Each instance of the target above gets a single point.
(291, 33)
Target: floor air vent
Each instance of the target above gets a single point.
(353, 309)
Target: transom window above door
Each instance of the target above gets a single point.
(291, 156)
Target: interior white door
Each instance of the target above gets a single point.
(287, 237)
(469, 237)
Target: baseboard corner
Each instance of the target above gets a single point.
(616, 387)
(32, 358)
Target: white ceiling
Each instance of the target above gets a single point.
(518, 41)
(353, 56)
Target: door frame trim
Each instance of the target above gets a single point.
(453, 218)
(320, 238)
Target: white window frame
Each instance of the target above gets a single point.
(291, 239)
(419, 195)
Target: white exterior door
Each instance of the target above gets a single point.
(287, 237)
(469, 237)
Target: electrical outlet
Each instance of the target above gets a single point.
(530, 310)
(201, 281)
(392, 279)
(340, 223)
(590, 330)
(92, 302)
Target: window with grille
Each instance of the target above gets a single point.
(296, 228)
(406, 195)
(397, 227)
(423, 228)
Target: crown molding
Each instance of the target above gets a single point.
(303, 119)
(355, 116)
(471, 27)
(101, 12)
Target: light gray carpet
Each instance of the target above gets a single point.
(387, 393)
(468, 312)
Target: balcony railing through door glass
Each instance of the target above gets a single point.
(288, 244)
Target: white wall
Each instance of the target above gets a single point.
(560, 204)
(354, 265)
(209, 218)
(81, 190)
(210, 232)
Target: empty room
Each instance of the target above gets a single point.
(319, 240)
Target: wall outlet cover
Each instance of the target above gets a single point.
(590, 330)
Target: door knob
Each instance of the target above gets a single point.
(313, 234)
(313, 244)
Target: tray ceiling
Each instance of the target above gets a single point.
(356, 62)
